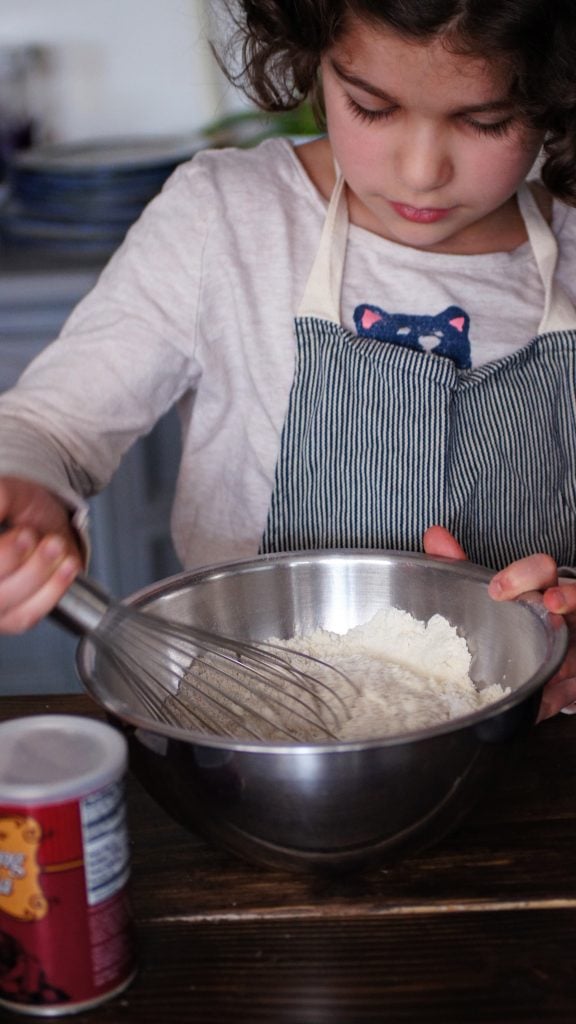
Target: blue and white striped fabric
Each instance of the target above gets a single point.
(381, 441)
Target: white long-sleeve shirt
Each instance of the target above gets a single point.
(197, 308)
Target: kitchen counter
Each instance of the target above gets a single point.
(480, 928)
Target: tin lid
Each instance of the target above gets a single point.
(49, 758)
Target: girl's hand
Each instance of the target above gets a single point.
(540, 572)
(536, 572)
(39, 553)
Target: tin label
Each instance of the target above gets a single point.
(65, 931)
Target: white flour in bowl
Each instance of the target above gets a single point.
(406, 675)
(410, 674)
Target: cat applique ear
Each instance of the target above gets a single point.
(457, 319)
(455, 341)
(367, 318)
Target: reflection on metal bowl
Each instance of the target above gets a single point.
(337, 805)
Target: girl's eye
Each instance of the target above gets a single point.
(370, 116)
(495, 129)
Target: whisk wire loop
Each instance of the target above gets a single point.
(186, 676)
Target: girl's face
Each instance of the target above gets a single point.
(428, 141)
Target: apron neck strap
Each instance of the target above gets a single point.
(559, 314)
(321, 297)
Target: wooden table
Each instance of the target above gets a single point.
(480, 928)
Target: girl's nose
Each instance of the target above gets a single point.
(424, 161)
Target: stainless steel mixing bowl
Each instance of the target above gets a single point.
(337, 805)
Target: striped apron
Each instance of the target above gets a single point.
(381, 441)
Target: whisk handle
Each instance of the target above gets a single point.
(83, 606)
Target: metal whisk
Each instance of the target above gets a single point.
(187, 676)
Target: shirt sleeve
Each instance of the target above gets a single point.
(126, 354)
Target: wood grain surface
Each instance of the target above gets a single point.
(480, 928)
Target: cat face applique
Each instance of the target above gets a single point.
(445, 334)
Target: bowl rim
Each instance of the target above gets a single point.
(553, 623)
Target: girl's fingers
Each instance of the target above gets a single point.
(561, 599)
(15, 547)
(41, 603)
(36, 585)
(438, 541)
(536, 572)
(557, 695)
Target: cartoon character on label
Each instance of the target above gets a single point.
(22, 978)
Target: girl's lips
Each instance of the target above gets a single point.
(418, 215)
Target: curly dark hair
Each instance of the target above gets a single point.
(279, 44)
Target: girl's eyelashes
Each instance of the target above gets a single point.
(369, 116)
(494, 129)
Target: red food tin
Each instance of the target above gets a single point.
(66, 939)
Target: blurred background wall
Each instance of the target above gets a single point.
(116, 67)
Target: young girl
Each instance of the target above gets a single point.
(371, 336)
